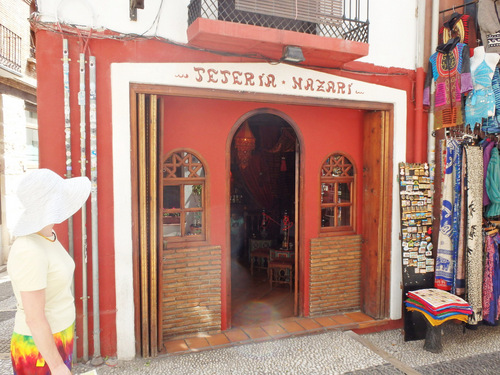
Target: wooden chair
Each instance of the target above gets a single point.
(281, 266)
(259, 259)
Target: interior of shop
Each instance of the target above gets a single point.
(263, 164)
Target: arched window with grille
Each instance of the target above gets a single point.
(184, 202)
(338, 178)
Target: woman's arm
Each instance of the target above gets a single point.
(34, 309)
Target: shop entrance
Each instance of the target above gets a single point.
(276, 142)
(263, 192)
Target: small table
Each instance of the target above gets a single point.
(281, 266)
(259, 259)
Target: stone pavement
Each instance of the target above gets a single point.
(333, 352)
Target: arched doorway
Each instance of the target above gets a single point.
(263, 191)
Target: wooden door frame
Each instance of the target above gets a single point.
(377, 199)
(194, 92)
(298, 206)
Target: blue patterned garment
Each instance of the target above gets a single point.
(492, 124)
(457, 175)
(444, 276)
(480, 102)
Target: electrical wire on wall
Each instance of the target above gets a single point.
(75, 30)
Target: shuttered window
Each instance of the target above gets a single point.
(316, 11)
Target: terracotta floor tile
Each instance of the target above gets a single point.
(308, 324)
(342, 319)
(291, 326)
(219, 339)
(236, 334)
(326, 321)
(176, 346)
(255, 332)
(197, 342)
(273, 329)
(358, 316)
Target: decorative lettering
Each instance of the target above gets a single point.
(199, 78)
(211, 74)
(320, 85)
(225, 74)
(297, 84)
(341, 87)
(248, 78)
(309, 85)
(331, 87)
(271, 80)
(236, 78)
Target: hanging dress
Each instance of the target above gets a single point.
(493, 184)
(492, 124)
(449, 67)
(480, 102)
(487, 148)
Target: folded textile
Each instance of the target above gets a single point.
(436, 300)
(440, 316)
(436, 322)
(461, 310)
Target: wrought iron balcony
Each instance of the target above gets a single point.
(10, 50)
(331, 18)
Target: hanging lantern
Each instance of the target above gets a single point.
(244, 141)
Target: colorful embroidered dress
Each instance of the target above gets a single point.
(449, 67)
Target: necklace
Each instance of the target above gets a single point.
(48, 239)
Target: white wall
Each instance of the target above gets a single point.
(391, 33)
(12, 165)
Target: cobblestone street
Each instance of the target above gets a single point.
(335, 352)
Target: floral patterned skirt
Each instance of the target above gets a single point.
(27, 360)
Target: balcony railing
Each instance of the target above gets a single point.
(340, 19)
(10, 50)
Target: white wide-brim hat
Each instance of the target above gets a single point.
(47, 199)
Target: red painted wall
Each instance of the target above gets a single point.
(52, 151)
(206, 129)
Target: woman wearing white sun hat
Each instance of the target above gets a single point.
(41, 272)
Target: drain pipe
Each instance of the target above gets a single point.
(81, 102)
(431, 141)
(96, 360)
(420, 126)
(67, 131)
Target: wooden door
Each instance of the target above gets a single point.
(146, 232)
(377, 211)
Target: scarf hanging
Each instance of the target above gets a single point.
(457, 173)
(474, 257)
(444, 259)
(490, 279)
(460, 273)
(493, 184)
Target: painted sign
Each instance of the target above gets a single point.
(269, 80)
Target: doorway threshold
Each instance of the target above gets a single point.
(275, 330)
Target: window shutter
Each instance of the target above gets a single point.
(316, 11)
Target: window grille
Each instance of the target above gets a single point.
(10, 50)
(340, 19)
(337, 194)
(183, 197)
